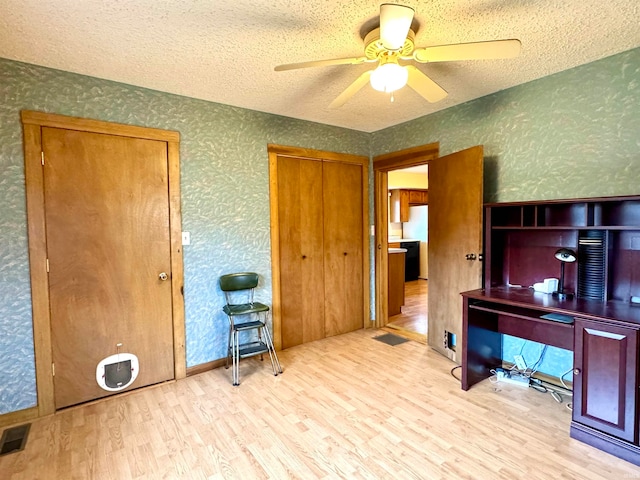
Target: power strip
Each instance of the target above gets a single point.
(513, 378)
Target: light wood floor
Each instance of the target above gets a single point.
(412, 322)
(345, 407)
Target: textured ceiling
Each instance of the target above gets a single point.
(225, 50)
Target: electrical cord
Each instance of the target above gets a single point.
(529, 371)
(453, 369)
(562, 379)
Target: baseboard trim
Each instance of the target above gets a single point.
(205, 367)
(606, 443)
(19, 416)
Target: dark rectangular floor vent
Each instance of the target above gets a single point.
(14, 439)
(390, 339)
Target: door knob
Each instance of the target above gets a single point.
(163, 276)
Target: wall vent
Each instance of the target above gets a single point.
(14, 439)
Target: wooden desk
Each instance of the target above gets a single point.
(603, 337)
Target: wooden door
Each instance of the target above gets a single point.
(455, 230)
(301, 250)
(107, 236)
(343, 251)
(605, 383)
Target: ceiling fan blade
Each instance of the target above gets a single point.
(395, 21)
(426, 87)
(321, 63)
(351, 90)
(468, 51)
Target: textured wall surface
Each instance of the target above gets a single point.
(573, 134)
(225, 198)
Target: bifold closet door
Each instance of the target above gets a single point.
(343, 277)
(108, 242)
(301, 250)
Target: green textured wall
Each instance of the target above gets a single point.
(569, 135)
(573, 134)
(225, 198)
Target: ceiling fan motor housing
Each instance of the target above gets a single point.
(373, 47)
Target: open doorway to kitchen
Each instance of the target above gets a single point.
(401, 216)
(408, 214)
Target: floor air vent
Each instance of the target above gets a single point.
(592, 252)
(14, 439)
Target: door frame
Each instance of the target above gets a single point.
(276, 151)
(382, 165)
(32, 123)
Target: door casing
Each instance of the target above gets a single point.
(32, 124)
(382, 164)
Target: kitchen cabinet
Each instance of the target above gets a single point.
(411, 258)
(396, 280)
(400, 201)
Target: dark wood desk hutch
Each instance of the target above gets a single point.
(521, 240)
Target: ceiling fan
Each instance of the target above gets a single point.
(391, 46)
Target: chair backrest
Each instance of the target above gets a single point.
(234, 282)
(238, 281)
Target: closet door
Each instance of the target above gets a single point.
(342, 207)
(301, 250)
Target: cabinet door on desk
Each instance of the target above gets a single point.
(605, 383)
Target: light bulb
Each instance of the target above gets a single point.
(389, 77)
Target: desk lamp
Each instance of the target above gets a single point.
(565, 256)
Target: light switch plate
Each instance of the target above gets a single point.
(186, 238)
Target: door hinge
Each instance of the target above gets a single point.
(42, 157)
(53, 369)
(47, 265)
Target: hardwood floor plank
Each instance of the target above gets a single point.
(413, 321)
(329, 415)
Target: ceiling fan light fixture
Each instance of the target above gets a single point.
(395, 21)
(389, 77)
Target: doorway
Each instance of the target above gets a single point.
(408, 231)
(455, 237)
(411, 321)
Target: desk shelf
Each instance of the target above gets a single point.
(521, 239)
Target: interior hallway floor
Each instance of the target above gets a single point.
(413, 321)
(335, 412)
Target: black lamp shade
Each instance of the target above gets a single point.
(565, 255)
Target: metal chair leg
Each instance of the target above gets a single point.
(236, 358)
(229, 347)
(275, 363)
